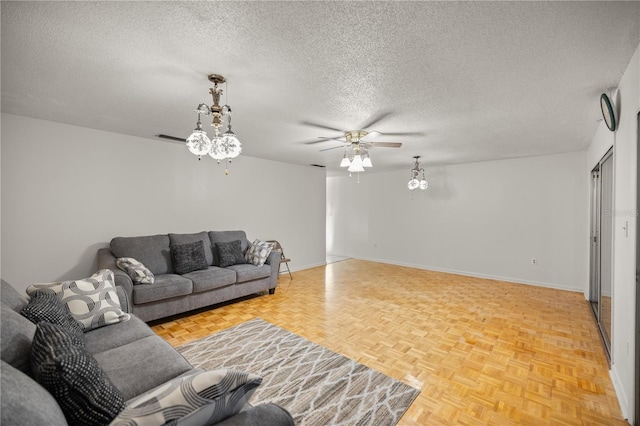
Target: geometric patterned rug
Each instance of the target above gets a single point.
(317, 386)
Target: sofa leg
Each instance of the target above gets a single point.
(272, 291)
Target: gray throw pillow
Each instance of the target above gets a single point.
(202, 398)
(230, 253)
(188, 257)
(61, 364)
(44, 305)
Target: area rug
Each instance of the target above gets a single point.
(317, 386)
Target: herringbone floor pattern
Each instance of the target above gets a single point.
(481, 351)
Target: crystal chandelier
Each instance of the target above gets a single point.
(414, 181)
(224, 146)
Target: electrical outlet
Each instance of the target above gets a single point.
(534, 261)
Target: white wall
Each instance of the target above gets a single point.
(67, 190)
(486, 219)
(625, 216)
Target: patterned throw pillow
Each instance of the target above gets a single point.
(258, 252)
(230, 253)
(139, 273)
(203, 398)
(92, 301)
(188, 257)
(62, 365)
(44, 306)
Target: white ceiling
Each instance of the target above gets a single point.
(479, 80)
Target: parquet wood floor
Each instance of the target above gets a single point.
(481, 351)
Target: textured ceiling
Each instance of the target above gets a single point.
(479, 80)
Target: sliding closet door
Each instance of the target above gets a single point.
(601, 271)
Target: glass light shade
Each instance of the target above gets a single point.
(231, 145)
(345, 162)
(367, 162)
(413, 184)
(217, 151)
(355, 167)
(198, 143)
(424, 184)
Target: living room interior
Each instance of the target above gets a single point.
(501, 101)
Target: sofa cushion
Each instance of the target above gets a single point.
(15, 340)
(153, 251)
(62, 365)
(188, 257)
(248, 272)
(202, 398)
(123, 333)
(165, 287)
(11, 297)
(45, 306)
(142, 365)
(230, 253)
(225, 237)
(92, 301)
(179, 239)
(212, 277)
(258, 252)
(139, 273)
(25, 402)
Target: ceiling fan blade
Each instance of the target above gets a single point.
(171, 138)
(322, 139)
(403, 133)
(335, 147)
(386, 144)
(375, 119)
(321, 126)
(372, 134)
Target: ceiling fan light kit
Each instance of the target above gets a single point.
(345, 160)
(356, 164)
(416, 181)
(357, 143)
(220, 147)
(356, 149)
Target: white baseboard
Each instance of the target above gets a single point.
(475, 274)
(623, 400)
(303, 267)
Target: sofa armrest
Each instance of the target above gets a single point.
(274, 261)
(125, 304)
(106, 260)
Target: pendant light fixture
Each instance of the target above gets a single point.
(224, 146)
(416, 181)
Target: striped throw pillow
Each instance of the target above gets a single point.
(202, 398)
(139, 273)
(92, 301)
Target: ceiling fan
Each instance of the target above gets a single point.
(360, 138)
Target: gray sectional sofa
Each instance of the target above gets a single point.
(172, 293)
(133, 357)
